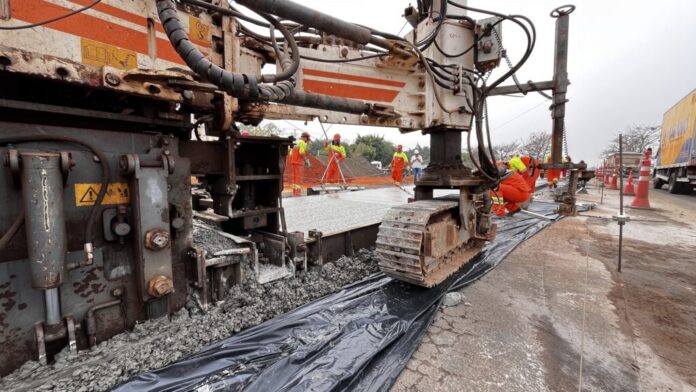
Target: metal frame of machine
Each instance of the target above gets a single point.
(97, 111)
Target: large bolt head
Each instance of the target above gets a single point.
(156, 239)
(160, 286)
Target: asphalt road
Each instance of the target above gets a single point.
(682, 199)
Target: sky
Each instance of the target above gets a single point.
(629, 62)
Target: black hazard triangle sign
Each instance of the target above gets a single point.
(89, 196)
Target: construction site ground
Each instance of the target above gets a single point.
(557, 316)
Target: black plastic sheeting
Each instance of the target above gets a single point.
(358, 339)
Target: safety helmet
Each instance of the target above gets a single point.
(246, 133)
(305, 135)
(416, 152)
(337, 136)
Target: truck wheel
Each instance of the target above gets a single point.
(673, 186)
(657, 183)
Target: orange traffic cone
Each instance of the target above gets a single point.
(614, 183)
(641, 201)
(628, 189)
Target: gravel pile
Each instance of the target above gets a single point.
(153, 344)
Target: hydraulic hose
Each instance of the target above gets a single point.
(238, 85)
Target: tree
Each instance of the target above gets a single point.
(267, 129)
(363, 150)
(537, 145)
(636, 138)
(506, 150)
(383, 150)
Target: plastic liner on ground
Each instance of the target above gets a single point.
(358, 339)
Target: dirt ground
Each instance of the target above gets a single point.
(557, 316)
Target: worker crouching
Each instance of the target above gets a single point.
(298, 159)
(513, 191)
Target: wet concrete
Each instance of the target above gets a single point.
(153, 344)
(337, 212)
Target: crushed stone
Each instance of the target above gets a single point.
(156, 343)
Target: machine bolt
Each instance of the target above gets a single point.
(187, 94)
(159, 286)
(121, 229)
(112, 79)
(178, 223)
(344, 52)
(117, 292)
(156, 239)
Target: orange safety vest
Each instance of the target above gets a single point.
(298, 153)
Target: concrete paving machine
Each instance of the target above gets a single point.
(100, 101)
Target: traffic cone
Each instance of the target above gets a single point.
(628, 189)
(614, 184)
(641, 200)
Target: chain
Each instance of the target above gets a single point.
(507, 59)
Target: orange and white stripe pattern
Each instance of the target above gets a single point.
(351, 86)
(121, 34)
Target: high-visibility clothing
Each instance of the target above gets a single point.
(512, 192)
(298, 154)
(296, 174)
(552, 175)
(398, 162)
(532, 173)
(337, 153)
(517, 165)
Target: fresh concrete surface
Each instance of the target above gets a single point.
(556, 316)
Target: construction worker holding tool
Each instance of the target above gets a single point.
(512, 192)
(336, 154)
(416, 165)
(298, 158)
(398, 161)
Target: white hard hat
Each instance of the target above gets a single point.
(416, 152)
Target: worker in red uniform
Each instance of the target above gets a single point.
(399, 163)
(511, 193)
(298, 159)
(337, 154)
(552, 175)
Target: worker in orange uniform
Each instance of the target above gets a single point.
(552, 175)
(532, 173)
(511, 193)
(337, 154)
(298, 158)
(399, 163)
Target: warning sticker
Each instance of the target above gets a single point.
(101, 54)
(199, 32)
(116, 193)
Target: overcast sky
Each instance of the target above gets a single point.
(629, 61)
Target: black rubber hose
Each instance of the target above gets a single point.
(12, 231)
(238, 85)
(106, 172)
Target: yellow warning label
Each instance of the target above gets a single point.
(116, 193)
(101, 54)
(199, 31)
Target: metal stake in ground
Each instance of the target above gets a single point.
(621, 219)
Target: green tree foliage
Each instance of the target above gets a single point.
(266, 129)
(373, 148)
